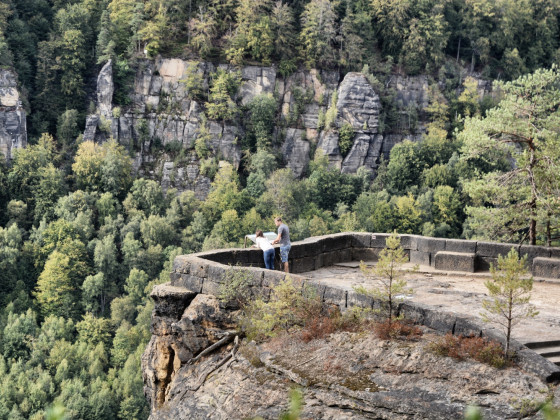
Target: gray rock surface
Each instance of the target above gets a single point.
(105, 89)
(13, 122)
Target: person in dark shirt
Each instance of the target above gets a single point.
(283, 239)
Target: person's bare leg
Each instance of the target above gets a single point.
(286, 268)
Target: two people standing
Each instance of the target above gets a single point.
(283, 239)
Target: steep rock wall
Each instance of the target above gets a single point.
(163, 113)
(13, 125)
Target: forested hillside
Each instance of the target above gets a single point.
(84, 237)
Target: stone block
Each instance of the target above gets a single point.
(355, 299)
(217, 272)
(410, 242)
(335, 296)
(361, 240)
(493, 249)
(302, 265)
(339, 241)
(460, 245)
(533, 362)
(533, 252)
(314, 289)
(249, 256)
(182, 264)
(431, 245)
(210, 287)
(327, 259)
(413, 312)
(273, 277)
(199, 267)
(440, 321)
(304, 249)
(171, 301)
(378, 240)
(483, 263)
(418, 257)
(455, 261)
(467, 327)
(365, 254)
(189, 282)
(546, 267)
(342, 255)
(554, 252)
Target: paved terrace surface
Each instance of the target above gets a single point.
(461, 293)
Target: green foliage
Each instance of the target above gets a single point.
(388, 274)
(522, 127)
(221, 105)
(345, 138)
(194, 81)
(236, 287)
(330, 116)
(263, 112)
(286, 308)
(509, 294)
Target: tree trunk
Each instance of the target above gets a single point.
(458, 49)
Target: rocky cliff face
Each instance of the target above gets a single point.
(346, 375)
(13, 129)
(162, 114)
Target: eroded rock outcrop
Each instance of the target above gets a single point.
(164, 118)
(13, 125)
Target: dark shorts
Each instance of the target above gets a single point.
(284, 251)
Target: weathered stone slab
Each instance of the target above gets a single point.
(419, 257)
(455, 261)
(361, 240)
(342, 255)
(198, 267)
(531, 361)
(336, 242)
(533, 252)
(410, 242)
(182, 264)
(171, 301)
(546, 267)
(467, 327)
(335, 296)
(378, 240)
(355, 299)
(431, 245)
(210, 287)
(440, 321)
(493, 249)
(273, 277)
(365, 254)
(460, 245)
(302, 265)
(189, 282)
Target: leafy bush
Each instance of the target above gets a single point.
(236, 287)
(396, 329)
(345, 139)
(477, 348)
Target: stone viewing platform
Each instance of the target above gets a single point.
(183, 378)
(445, 300)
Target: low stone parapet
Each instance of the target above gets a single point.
(546, 267)
(455, 261)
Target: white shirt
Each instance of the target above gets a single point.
(263, 243)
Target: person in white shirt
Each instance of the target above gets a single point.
(268, 249)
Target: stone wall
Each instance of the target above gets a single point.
(203, 273)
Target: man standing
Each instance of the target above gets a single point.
(283, 239)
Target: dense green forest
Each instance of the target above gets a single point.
(82, 241)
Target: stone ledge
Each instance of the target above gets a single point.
(455, 261)
(546, 267)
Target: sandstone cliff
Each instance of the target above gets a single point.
(163, 113)
(343, 376)
(13, 128)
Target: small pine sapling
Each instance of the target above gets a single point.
(388, 273)
(509, 294)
